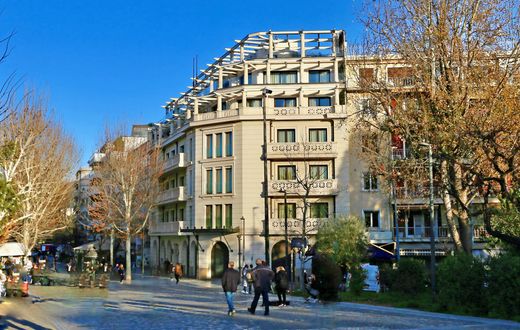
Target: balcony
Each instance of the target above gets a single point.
(324, 187)
(417, 195)
(300, 111)
(302, 150)
(178, 161)
(421, 233)
(169, 228)
(177, 194)
(294, 226)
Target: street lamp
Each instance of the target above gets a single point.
(433, 223)
(286, 235)
(243, 220)
(265, 94)
(396, 220)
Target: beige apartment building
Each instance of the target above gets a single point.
(211, 206)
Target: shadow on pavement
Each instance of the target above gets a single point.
(9, 322)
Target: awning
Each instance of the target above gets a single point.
(382, 251)
(95, 245)
(12, 249)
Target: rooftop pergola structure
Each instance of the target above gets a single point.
(250, 54)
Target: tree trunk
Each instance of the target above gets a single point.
(128, 249)
(457, 244)
(462, 203)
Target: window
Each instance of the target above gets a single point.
(218, 216)
(319, 102)
(319, 210)
(229, 216)
(181, 215)
(209, 216)
(400, 76)
(181, 181)
(229, 180)
(284, 77)
(229, 144)
(318, 135)
(319, 172)
(219, 180)
(369, 143)
(319, 76)
(369, 107)
(371, 219)
(209, 181)
(286, 135)
(254, 103)
(218, 151)
(285, 102)
(291, 211)
(181, 149)
(369, 181)
(286, 172)
(209, 146)
(367, 76)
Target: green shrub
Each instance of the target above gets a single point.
(357, 280)
(503, 290)
(386, 276)
(460, 283)
(409, 277)
(328, 275)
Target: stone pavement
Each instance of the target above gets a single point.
(157, 303)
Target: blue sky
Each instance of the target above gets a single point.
(114, 62)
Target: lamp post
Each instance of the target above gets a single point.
(265, 94)
(433, 223)
(286, 235)
(396, 220)
(243, 220)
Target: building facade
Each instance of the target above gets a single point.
(300, 85)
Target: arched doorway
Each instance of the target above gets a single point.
(219, 259)
(175, 253)
(278, 256)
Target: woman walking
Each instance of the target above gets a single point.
(177, 272)
(121, 272)
(281, 281)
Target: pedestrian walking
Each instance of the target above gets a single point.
(249, 278)
(230, 282)
(177, 272)
(245, 270)
(262, 276)
(281, 280)
(121, 272)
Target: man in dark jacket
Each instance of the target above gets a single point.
(230, 281)
(262, 275)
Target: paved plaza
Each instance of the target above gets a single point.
(157, 303)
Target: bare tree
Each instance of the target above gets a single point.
(37, 158)
(124, 188)
(451, 61)
(302, 180)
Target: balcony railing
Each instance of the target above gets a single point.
(443, 232)
(177, 194)
(401, 81)
(295, 226)
(177, 161)
(302, 150)
(416, 192)
(173, 227)
(318, 187)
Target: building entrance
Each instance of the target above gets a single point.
(219, 259)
